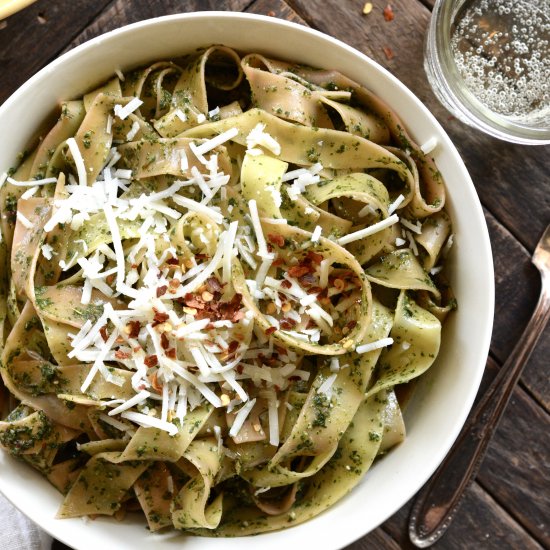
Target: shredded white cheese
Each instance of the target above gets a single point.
(368, 230)
(316, 234)
(123, 112)
(382, 343)
(395, 204)
(429, 146)
(241, 417)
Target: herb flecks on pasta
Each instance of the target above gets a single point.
(217, 279)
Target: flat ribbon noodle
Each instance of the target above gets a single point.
(189, 507)
(101, 485)
(155, 444)
(322, 418)
(301, 145)
(417, 336)
(327, 248)
(190, 93)
(401, 269)
(358, 448)
(282, 96)
(431, 189)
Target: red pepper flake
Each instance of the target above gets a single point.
(173, 261)
(110, 278)
(271, 13)
(161, 290)
(164, 342)
(298, 270)
(151, 360)
(171, 353)
(159, 317)
(388, 13)
(388, 51)
(314, 257)
(286, 284)
(174, 284)
(276, 239)
(314, 290)
(351, 325)
(270, 330)
(239, 369)
(104, 333)
(233, 345)
(191, 300)
(155, 382)
(202, 256)
(278, 262)
(287, 324)
(134, 327)
(119, 354)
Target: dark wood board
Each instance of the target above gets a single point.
(31, 38)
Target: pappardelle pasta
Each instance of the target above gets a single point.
(218, 275)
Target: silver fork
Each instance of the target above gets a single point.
(437, 503)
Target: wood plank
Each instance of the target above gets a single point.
(514, 472)
(377, 539)
(480, 523)
(272, 8)
(121, 12)
(516, 468)
(517, 287)
(31, 38)
(511, 180)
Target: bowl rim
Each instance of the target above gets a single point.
(484, 243)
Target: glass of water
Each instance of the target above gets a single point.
(488, 62)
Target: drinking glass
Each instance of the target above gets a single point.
(488, 62)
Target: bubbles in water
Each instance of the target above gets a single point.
(502, 51)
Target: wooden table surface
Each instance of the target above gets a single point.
(508, 506)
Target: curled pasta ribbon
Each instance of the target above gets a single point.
(190, 508)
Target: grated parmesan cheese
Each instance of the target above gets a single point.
(367, 231)
(123, 112)
(429, 146)
(382, 343)
(241, 417)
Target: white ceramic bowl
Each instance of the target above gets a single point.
(444, 397)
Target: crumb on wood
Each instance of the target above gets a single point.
(388, 52)
(271, 13)
(388, 13)
(367, 8)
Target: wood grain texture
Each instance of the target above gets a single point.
(517, 287)
(512, 180)
(516, 469)
(31, 38)
(275, 8)
(123, 12)
(378, 540)
(480, 524)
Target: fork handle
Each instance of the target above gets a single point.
(438, 501)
